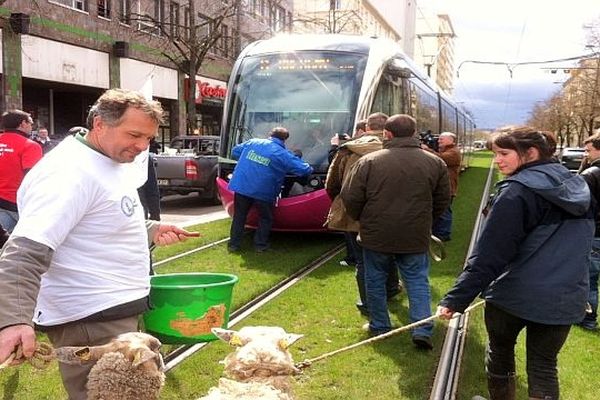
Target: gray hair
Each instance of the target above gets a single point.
(111, 106)
(449, 134)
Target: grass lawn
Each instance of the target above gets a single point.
(578, 363)
(322, 308)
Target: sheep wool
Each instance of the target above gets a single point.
(114, 378)
(259, 368)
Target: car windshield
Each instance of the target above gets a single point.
(312, 94)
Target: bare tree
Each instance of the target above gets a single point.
(333, 20)
(191, 35)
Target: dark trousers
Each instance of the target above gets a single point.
(543, 343)
(242, 205)
(442, 226)
(357, 252)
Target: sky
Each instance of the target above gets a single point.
(513, 31)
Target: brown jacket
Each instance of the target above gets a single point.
(396, 193)
(345, 158)
(452, 158)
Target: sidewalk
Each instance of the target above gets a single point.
(183, 220)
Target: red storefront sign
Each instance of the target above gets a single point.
(206, 90)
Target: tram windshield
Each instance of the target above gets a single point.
(312, 94)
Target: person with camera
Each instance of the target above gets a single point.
(447, 151)
(348, 154)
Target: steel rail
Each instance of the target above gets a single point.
(181, 353)
(445, 384)
(187, 253)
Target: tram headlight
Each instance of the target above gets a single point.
(229, 176)
(314, 182)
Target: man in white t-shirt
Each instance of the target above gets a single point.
(77, 262)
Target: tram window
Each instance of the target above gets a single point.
(388, 97)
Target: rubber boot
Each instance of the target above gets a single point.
(362, 291)
(501, 387)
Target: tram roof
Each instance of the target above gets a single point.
(299, 42)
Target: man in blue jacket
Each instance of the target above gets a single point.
(257, 179)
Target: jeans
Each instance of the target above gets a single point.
(442, 226)
(391, 283)
(414, 269)
(242, 205)
(543, 343)
(8, 219)
(590, 319)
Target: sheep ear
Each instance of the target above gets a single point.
(228, 336)
(74, 355)
(141, 356)
(289, 340)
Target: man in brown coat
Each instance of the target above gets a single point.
(395, 193)
(348, 153)
(442, 227)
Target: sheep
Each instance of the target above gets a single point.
(129, 367)
(259, 368)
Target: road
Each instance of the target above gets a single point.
(189, 210)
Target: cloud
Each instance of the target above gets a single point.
(496, 104)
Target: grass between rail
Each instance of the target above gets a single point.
(578, 362)
(322, 308)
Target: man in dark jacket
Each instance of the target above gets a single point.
(370, 140)
(257, 179)
(592, 176)
(395, 193)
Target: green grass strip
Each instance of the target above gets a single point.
(322, 308)
(578, 366)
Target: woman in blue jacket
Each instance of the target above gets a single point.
(530, 263)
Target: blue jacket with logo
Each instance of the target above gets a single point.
(262, 166)
(532, 257)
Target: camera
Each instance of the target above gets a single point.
(430, 140)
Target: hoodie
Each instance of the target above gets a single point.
(532, 257)
(348, 154)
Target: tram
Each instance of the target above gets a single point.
(317, 86)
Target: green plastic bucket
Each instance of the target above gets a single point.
(186, 306)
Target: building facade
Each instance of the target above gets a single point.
(58, 56)
(434, 47)
(354, 17)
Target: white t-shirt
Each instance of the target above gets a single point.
(86, 208)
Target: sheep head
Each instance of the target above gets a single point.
(141, 349)
(262, 352)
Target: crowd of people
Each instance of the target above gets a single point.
(74, 217)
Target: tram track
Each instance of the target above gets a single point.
(445, 384)
(181, 353)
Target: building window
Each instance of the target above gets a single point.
(152, 23)
(125, 11)
(76, 4)
(104, 8)
(224, 41)
(174, 19)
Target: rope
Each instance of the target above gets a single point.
(42, 356)
(308, 362)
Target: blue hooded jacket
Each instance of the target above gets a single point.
(532, 257)
(262, 166)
